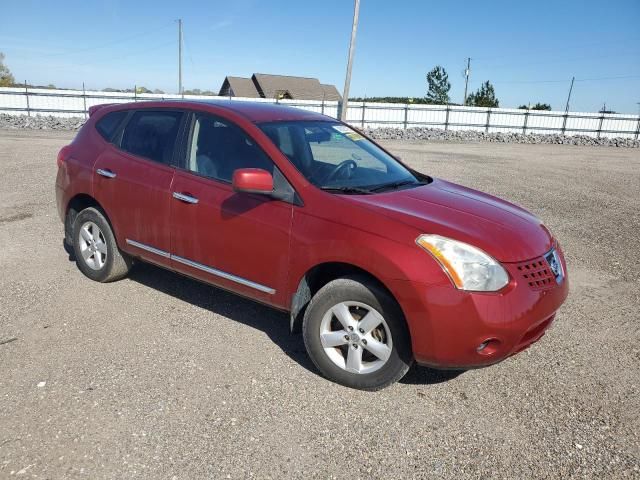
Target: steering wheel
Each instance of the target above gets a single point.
(338, 168)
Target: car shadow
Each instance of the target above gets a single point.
(418, 375)
(274, 323)
(69, 249)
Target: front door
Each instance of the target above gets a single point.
(237, 241)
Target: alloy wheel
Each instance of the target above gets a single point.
(93, 246)
(356, 337)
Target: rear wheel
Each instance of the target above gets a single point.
(95, 248)
(356, 335)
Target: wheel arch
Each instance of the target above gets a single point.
(317, 277)
(75, 205)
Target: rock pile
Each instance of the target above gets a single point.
(38, 122)
(437, 135)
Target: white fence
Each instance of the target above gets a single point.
(70, 103)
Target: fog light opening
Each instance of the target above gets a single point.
(488, 347)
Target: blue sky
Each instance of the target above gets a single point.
(528, 50)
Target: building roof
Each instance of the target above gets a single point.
(239, 87)
(262, 85)
(330, 92)
(301, 88)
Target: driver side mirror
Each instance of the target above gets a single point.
(252, 180)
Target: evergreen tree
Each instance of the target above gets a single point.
(484, 97)
(439, 86)
(6, 78)
(537, 106)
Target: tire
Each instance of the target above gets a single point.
(95, 249)
(357, 303)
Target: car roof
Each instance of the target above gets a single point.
(253, 111)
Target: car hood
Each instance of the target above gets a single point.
(503, 230)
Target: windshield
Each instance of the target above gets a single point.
(332, 156)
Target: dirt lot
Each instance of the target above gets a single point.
(158, 376)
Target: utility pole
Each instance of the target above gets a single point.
(466, 80)
(179, 56)
(352, 48)
(566, 108)
(638, 127)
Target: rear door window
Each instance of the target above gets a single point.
(152, 134)
(108, 124)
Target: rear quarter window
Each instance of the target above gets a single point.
(108, 124)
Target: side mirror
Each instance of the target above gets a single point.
(252, 180)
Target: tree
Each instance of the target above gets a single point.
(537, 106)
(6, 78)
(417, 100)
(157, 90)
(604, 109)
(439, 86)
(197, 91)
(142, 90)
(484, 97)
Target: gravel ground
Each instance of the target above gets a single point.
(158, 376)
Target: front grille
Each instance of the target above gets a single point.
(537, 274)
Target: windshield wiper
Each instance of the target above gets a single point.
(395, 185)
(362, 191)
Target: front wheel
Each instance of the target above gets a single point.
(356, 335)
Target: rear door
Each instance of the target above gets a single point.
(132, 181)
(238, 241)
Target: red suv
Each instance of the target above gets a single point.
(378, 264)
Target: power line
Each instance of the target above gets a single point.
(559, 60)
(618, 77)
(111, 59)
(529, 81)
(132, 54)
(597, 79)
(520, 54)
(187, 51)
(108, 44)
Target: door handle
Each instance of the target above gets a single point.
(183, 197)
(105, 173)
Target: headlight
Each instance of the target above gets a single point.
(468, 267)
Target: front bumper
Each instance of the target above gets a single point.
(449, 326)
